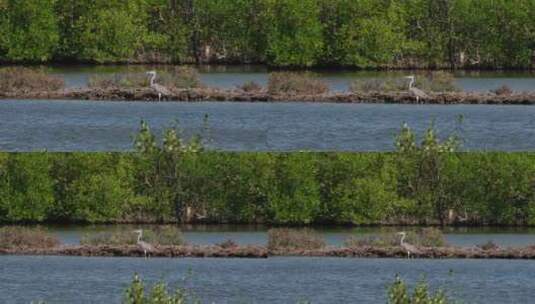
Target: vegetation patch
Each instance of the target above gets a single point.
(399, 293)
(424, 237)
(158, 236)
(20, 79)
(296, 83)
(438, 82)
(180, 77)
(294, 239)
(251, 87)
(504, 90)
(20, 238)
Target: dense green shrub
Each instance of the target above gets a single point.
(175, 180)
(282, 188)
(159, 293)
(398, 293)
(364, 33)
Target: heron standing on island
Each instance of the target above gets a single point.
(415, 91)
(146, 247)
(160, 89)
(411, 249)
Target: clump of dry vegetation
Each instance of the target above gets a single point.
(504, 90)
(17, 79)
(294, 239)
(378, 85)
(124, 80)
(12, 237)
(159, 235)
(425, 237)
(296, 83)
(178, 78)
(228, 244)
(438, 81)
(489, 245)
(250, 87)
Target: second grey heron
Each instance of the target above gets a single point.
(415, 91)
(146, 247)
(160, 89)
(411, 249)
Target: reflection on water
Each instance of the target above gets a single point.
(275, 280)
(29, 125)
(257, 235)
(232, 76)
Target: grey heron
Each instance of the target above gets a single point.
(411, 249)
(415, 91)
(146, 247)
(160, 89)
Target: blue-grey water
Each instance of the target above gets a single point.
(54, 125)
(232, 76)
(335, 236)
(275, 280)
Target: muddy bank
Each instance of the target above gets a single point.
(263, 252)
(212, 94)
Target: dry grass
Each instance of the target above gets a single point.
(126, 80)
(160, 235)
(16, 79)
(178, 78)
(250, 87)
(378, 85)
(489, 245)
(294, 239)
(504, 90)
(432, 82)
(25, 238)
(296, 83)
(228, 244)
(425, 237)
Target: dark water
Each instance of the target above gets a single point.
(232, 76)
(109, 126)
(257, 235)
(275, 280)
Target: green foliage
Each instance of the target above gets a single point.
(173, 179)
(398, 293)
(28, 30)
(25, 188)
(159, 293)
(294, 33)
(363, 33)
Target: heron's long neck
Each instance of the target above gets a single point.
(139, 236)
(152, 77)
(402, 239)
(411, 83)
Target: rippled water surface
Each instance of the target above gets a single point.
(257, 235)
(29, 125)
(232, 76)
(275, 280)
